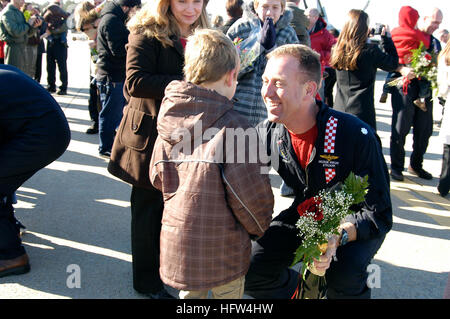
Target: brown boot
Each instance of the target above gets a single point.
(16, 266)
(420, 104)
(383, 97)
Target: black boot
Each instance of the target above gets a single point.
(93, 129)
(444, 180)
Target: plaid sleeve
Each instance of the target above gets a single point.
(250, 196)
(249, 193)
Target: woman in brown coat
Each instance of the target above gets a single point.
(154, 58)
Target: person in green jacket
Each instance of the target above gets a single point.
(299, 22)
(15, 30)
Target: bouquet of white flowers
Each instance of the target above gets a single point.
(320, 217)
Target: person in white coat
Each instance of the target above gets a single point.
(444, 90)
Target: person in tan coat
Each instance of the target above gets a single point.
(215, 193)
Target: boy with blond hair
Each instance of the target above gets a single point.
(213, 202)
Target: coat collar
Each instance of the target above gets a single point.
(177, 45)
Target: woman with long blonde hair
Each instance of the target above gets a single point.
(155, 57)
(356, 62)
(157, 20)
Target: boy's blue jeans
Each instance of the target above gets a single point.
(113, 102)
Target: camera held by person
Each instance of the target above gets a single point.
(377, 29)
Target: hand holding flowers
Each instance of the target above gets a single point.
(423, 65)
(321, 216)
(328, 251)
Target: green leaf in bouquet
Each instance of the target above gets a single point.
(416, 53)
(306, 255)
(357, 186)
(299, 253)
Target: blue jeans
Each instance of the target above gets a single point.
(113, 102)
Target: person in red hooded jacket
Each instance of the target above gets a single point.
(408, 37)
(406, 113)
(2, 54)
(321, 39)
(2, 43)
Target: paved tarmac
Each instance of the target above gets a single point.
(78, 217)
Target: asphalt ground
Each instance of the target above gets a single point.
(78, 217)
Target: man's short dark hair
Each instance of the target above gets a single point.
(129, 3)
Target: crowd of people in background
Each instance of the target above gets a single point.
(161, 67)
(23, 29)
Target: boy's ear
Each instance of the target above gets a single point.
(230, 77)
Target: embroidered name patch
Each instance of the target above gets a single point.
(281, 151)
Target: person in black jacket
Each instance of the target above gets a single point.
(33, 133)
(356, 63)
(41, 49)
(112, 36)
(313, 147)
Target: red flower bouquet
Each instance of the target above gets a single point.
(321, 215)
(311, 208)
(424, 66)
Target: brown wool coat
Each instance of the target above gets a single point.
(210, 208)
(150, 67)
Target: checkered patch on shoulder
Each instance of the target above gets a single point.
(330, 135)
(329, 143)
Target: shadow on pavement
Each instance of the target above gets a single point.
(406, 283)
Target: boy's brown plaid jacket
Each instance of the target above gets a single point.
(213, 200)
